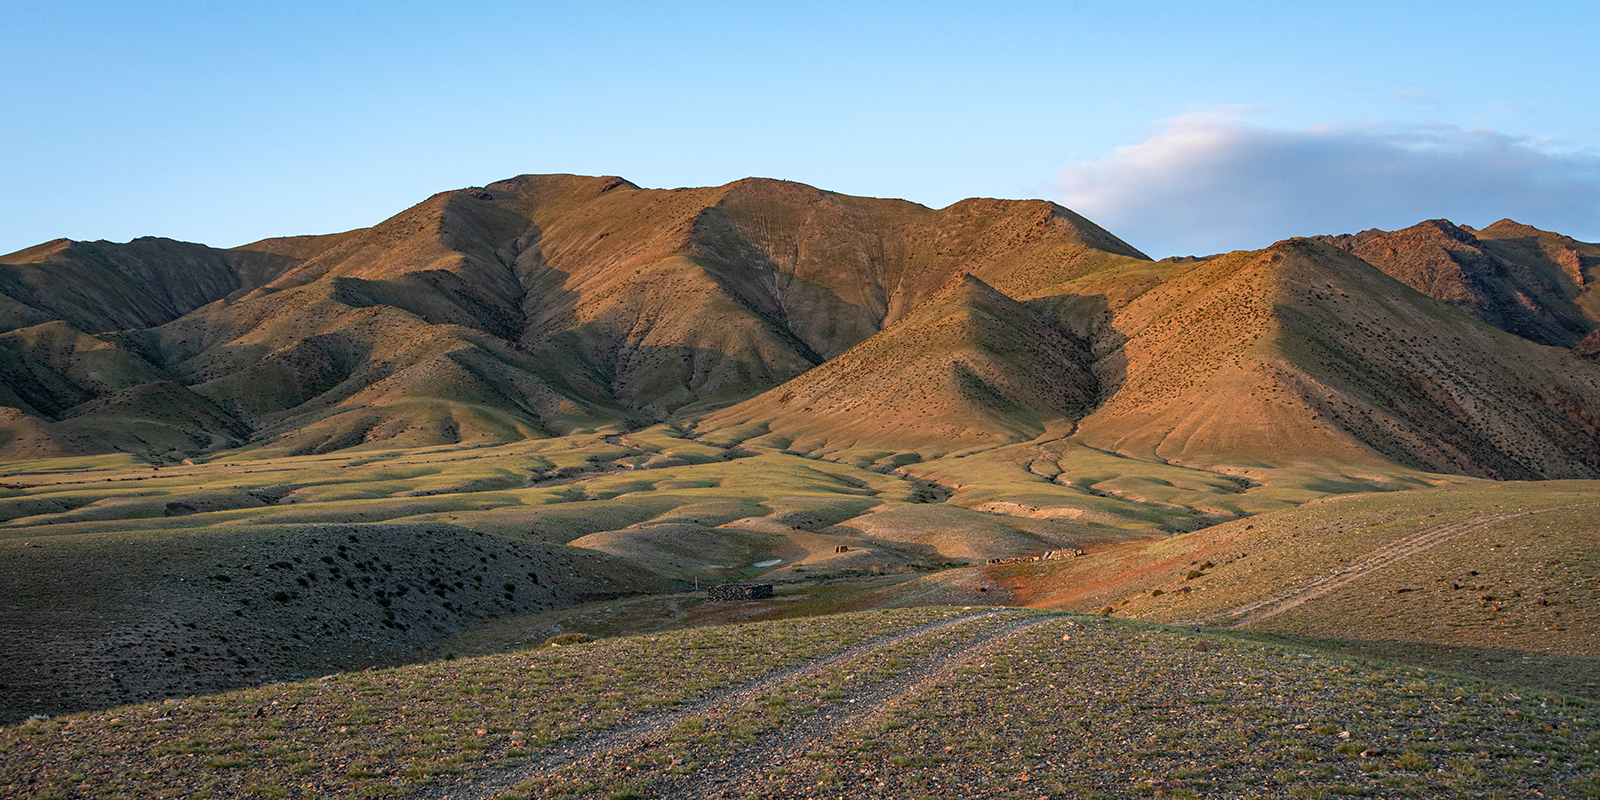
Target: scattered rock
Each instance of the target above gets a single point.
(739, 591)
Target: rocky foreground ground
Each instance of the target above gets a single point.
(909, 703)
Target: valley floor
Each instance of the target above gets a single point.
(1280, 633)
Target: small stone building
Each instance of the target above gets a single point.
(740, 591)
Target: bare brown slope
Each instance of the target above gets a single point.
(1564, 259)
(658, 299)
(1303, 354)
(831, 268)
(706, 295)
(103, 286)
(1515, 277)
(1588, 348)
(970, 366)
(300, 248)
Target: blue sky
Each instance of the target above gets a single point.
(1182, 127)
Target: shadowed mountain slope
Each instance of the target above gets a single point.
(101, 286)
(1303, 354)
(65, 392)
(970, 366)
(1515, 277)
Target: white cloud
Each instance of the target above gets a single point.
(1211, 182)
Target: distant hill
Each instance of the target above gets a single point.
(1529, 282)
(1303, 354)
(101, 286)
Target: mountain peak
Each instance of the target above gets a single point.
(964, 282)
(36, 253)
(1507, 228)
(1447, 228)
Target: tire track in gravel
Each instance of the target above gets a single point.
(1248, 613)
(655, 726)
(777, 749)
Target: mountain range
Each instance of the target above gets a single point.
(543, 305)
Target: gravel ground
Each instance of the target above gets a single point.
(390, 732)
(1087, 707)
(656, 727)
(1010, 704)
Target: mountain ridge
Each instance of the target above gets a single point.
(546, 304)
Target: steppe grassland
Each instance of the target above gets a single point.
(551, 492)
(1083, 705)
(372, 733)
(1120, 709)
(1264, 555)
(1514, 594)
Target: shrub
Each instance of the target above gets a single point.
(1412, 761)
(566, 639)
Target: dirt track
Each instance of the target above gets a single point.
(1248, 613)
(655, 730)
(774, 753)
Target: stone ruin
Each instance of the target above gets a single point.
(740, 591)
(1053, 555)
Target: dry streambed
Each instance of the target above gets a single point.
(908, 703)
